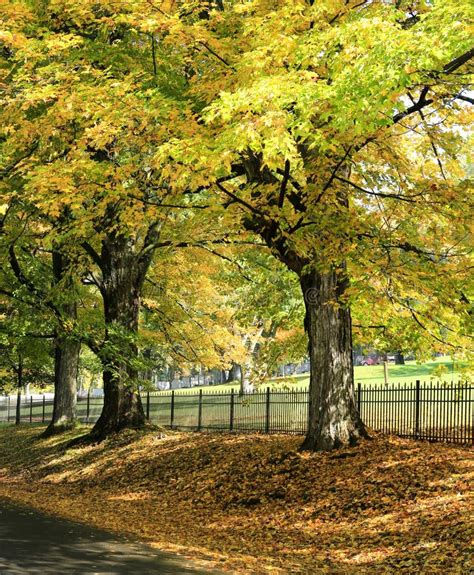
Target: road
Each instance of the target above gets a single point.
(31, 543)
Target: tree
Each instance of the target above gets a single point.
(94, 166)
(25, 351)
(334, 133)
(39, 281)
(188, 318)
(89, 95)
(267, 312)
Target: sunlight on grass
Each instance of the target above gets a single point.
(365, 374)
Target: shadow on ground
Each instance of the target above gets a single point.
(33, 543)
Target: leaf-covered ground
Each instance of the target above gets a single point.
(254, 504)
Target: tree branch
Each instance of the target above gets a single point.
(236, 198)
(93, 254)
(379, 194)
(284, 183)
(465, 98)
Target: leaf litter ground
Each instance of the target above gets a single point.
(253, 504)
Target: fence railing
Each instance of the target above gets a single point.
(432, 411)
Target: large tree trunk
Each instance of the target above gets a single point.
(333, 418)
(66, 354)
(66, 365)
(121, 286)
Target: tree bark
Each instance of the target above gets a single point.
(19, 375)
(245, 384)
(333, 420)
(122, 280)
(66, 365)
(66, 354)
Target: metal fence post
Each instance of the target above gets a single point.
(44, 408)
(172, 409)
(88, 407)
(417, 409)
(200, 411)
(359, 393)
(231, 422)
(267, 412)
(31, 408)
(148, 405)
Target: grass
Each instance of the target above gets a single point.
(443, 412)
(254, 504)
(365, 374)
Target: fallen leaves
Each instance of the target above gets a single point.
(254, 503)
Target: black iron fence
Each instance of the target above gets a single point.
(431, 411)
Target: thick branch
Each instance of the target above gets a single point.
(464, 98)
(93, 254)
(284, 183)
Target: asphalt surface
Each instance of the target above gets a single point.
(31, 543)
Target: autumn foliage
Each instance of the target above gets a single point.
(254, 504)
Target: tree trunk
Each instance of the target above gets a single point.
(122, 280)
(333, 418)
(66, 353)
(66, 365)
(18, 407)
(399, 358)
(19, 374)
(234, 373)
(251, 343)
(245, 384)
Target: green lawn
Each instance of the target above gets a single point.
(410, 372)
(444, 411)
(366, 374)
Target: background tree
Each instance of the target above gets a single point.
(26, 351)
(37, 281)
(268, 311)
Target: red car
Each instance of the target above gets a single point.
(370, 361)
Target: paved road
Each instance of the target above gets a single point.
(31, 543)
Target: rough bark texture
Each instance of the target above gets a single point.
(122, 280)
(66, 355)
(333, 418)
(66, 364)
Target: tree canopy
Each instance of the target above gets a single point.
(146, 142)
